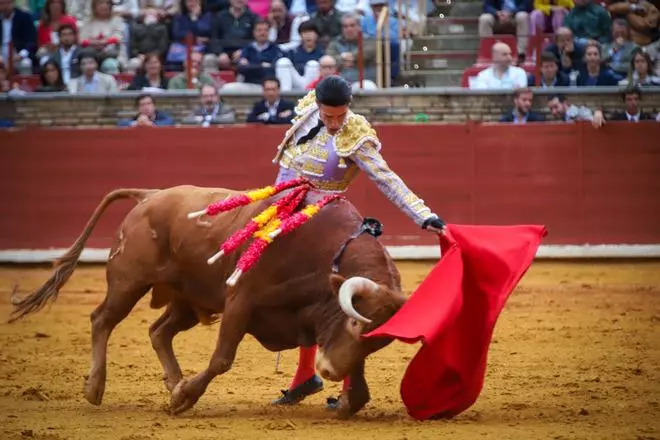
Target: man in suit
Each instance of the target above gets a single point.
(147, 115)
(17, 27)
(212, 111)
(633, 113)
(91, 80)
(522, 114)
(67, 53)
(550, 74)
(272, 109)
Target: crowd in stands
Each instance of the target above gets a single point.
(79, 45)
(590, 44)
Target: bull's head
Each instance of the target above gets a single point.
(366, 305)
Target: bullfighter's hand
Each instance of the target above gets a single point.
(435, 224)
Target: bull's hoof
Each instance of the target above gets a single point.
(93, 394)
(180, 401)
(311, 386)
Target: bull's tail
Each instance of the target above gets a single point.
(65, 265)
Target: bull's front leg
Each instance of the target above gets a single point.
(232, 330)
(356, 396)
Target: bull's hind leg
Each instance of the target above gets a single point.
(232, 330)
(118, 303)
(177, 318)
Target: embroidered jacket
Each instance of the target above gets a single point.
(332, 162)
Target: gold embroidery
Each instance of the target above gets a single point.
(356, 130)
(306, 103)
(313, 168)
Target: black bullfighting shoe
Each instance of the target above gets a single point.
(332, 403)
(311, 386)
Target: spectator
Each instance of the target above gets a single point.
(360, 7)
(67, 55)
(104, 33)
(280, 23)
(327, 67)
(594, 73)
(257, 60)
(643, 18)
(300, 66)
(501, 75)
(193, 19)
(368, 23)
(232, 29)
(212, 111)
(570, 55)
(618, 53)
(199, 78)
(272, 109)
(550, 74)
(5, 85)
(640, 72)
(91, 80)
(633, 113)
(327, 20)
(562, 111)
(522, 104)
(149, 33)
(505, 14)
(151, 77)
(147, 115)
(549, 15)
(18, 29)
(52, 18)
(589, 21)
(51, 78)
(345, 50)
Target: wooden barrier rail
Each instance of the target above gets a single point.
(588, 186)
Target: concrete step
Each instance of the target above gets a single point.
(441, 59)
(433, 78)
(466, 9)
(447, 42)
(452, 26)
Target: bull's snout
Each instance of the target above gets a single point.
(325, 367)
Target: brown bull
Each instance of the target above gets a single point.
(288, 299)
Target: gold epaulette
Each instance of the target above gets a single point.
(305, 103)
(353, 134)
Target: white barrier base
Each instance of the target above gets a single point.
(90, 255)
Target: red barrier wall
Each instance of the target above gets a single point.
(587, 186)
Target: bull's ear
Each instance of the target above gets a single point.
(336, 281)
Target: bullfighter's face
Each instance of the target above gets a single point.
(332, 117)
(366, 305)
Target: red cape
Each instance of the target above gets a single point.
(453, 312)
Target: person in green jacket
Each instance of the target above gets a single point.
(589, 21)
(180, 80)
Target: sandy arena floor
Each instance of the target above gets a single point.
(576, 354)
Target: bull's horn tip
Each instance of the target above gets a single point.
(275, 233)
(215, 257)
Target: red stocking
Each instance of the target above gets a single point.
(305, 366)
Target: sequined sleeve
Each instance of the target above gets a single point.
(371, 162)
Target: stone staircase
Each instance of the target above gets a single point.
(448, 46)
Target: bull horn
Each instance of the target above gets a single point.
(346, 292)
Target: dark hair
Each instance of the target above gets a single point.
(520, 91)
(143, 68)
(183, 7)
(548, 57)
(558, 96)
(64, 27)
(271, 79)
(143, 96)
(46, 15)
(88, 53)
(333, 91)
(260, 21)
(631, 90)
(308, 26)
(59, 84)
